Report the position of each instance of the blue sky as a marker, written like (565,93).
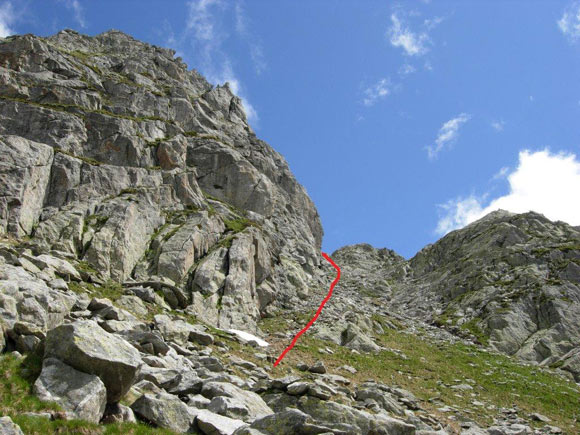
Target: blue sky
(403,120)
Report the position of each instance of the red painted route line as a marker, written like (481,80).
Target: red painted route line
(309,324)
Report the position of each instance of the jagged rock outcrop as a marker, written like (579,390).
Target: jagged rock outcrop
(511,281)
(117,155)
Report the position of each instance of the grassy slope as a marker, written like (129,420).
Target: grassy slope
(429,370)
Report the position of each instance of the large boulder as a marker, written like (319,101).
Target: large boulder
(87,347)
(373,391)
(232,401)
(213,424)
(81,394)
(164,410)
(210,275)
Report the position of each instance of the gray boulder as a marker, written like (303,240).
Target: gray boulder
(232,401)
(164,410)
(210,275)
(8,427)
(210,423)
(85,346)
(81,394)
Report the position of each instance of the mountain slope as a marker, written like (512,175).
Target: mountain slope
(508,281)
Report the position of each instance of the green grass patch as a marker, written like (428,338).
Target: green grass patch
(110,290)
(84,266)
(129,190)
(571,247)
(95,221)
(40,426)
(16,379)
(237,225)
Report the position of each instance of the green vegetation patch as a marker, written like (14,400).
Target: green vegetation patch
(473,327)
(110,290)
(17,376)
(238,224)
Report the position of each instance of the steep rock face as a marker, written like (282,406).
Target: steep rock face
(116,154)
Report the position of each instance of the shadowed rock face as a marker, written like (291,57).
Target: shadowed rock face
(116,154)
(512,280)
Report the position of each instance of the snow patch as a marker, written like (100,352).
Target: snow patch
(248,337)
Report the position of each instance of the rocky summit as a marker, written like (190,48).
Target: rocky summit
(156,257)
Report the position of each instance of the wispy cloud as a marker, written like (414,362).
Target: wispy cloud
(502,173)
(543,182)
(255,46)
(457,213)
(569,24)
(448,133)
(407,69)
(377,92)
(400,35)
(205,29)
(7,18)
(497,125)
(77,10)
(431,23)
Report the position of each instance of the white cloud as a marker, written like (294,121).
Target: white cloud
(378,91)
(204,28)
(569,24)
(543,182)
(448,133)
(407,69)
(414,44)
(498,125)
(77,9)
(6,19)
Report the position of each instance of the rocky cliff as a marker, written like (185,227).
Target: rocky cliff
(115,155)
